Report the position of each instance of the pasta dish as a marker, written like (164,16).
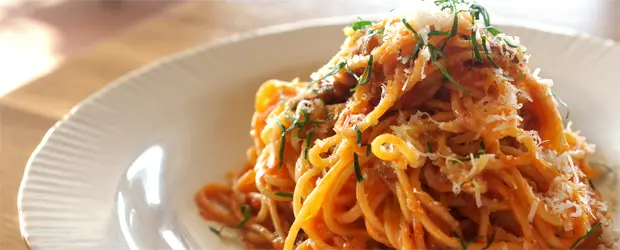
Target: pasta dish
(427,130)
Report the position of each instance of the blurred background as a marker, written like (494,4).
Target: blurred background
(37,35)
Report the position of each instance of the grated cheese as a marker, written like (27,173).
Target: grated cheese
(536,72)
(530,216)
(477,194)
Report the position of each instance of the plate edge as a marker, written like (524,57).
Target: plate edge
(237,37)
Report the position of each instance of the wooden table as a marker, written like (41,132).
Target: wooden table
(26,114)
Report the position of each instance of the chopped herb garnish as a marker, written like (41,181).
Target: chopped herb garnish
(368,150)
(370,34)
(429,145)
(486,52)
(245,209)
(476,155)
(359,135)
(215,231)
(283,194)
(408,26)
(418,47)
(455,27)
(360,24)
(478,10)
(438,33)
(561,102)
(346,66)
(521,75)
(356,166)
(465,244)
(474,45)
(490,241)
(583,237)
(494,31)
(282,142)
(591,184)
(366,74)
(331,73)
(308,138)
(444,72)
(302,124)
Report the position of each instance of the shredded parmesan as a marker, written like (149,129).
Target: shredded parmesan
(530,216)
(477,194)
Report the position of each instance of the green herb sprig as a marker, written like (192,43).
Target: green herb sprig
(363,80)
(359,135)
(465,244)
(334,71)
(418,45)
(490,241)
(583,237)
(296,124)
(308,139)
(563,104)
(370,34)
(435,51)
(284,194)
(361,24)
(356,166)
(476,155)
(247,213)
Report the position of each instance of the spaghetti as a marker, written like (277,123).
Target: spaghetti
(424,131)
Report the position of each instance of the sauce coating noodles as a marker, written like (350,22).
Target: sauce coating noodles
(420,133)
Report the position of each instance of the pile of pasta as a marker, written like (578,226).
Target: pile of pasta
(425,131)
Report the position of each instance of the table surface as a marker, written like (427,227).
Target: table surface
(27,113)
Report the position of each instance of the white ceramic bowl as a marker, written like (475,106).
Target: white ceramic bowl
(120,171)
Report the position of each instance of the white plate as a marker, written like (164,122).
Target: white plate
(120,171)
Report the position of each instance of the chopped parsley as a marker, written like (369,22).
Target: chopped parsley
(418,45)
(474,44)
(583,237)
(429,145)
(563,104)
(438,33)
(490,241)
(476,155)
(368,150)
(246,211)
(370,34)
(465,244)
(284,194)
(308,138)
(486,52)
(408,26)
(282,142)
(359,135)
(356,166)
(360,24)
(334,71)
(366,74)
(443,70)
(215,231)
